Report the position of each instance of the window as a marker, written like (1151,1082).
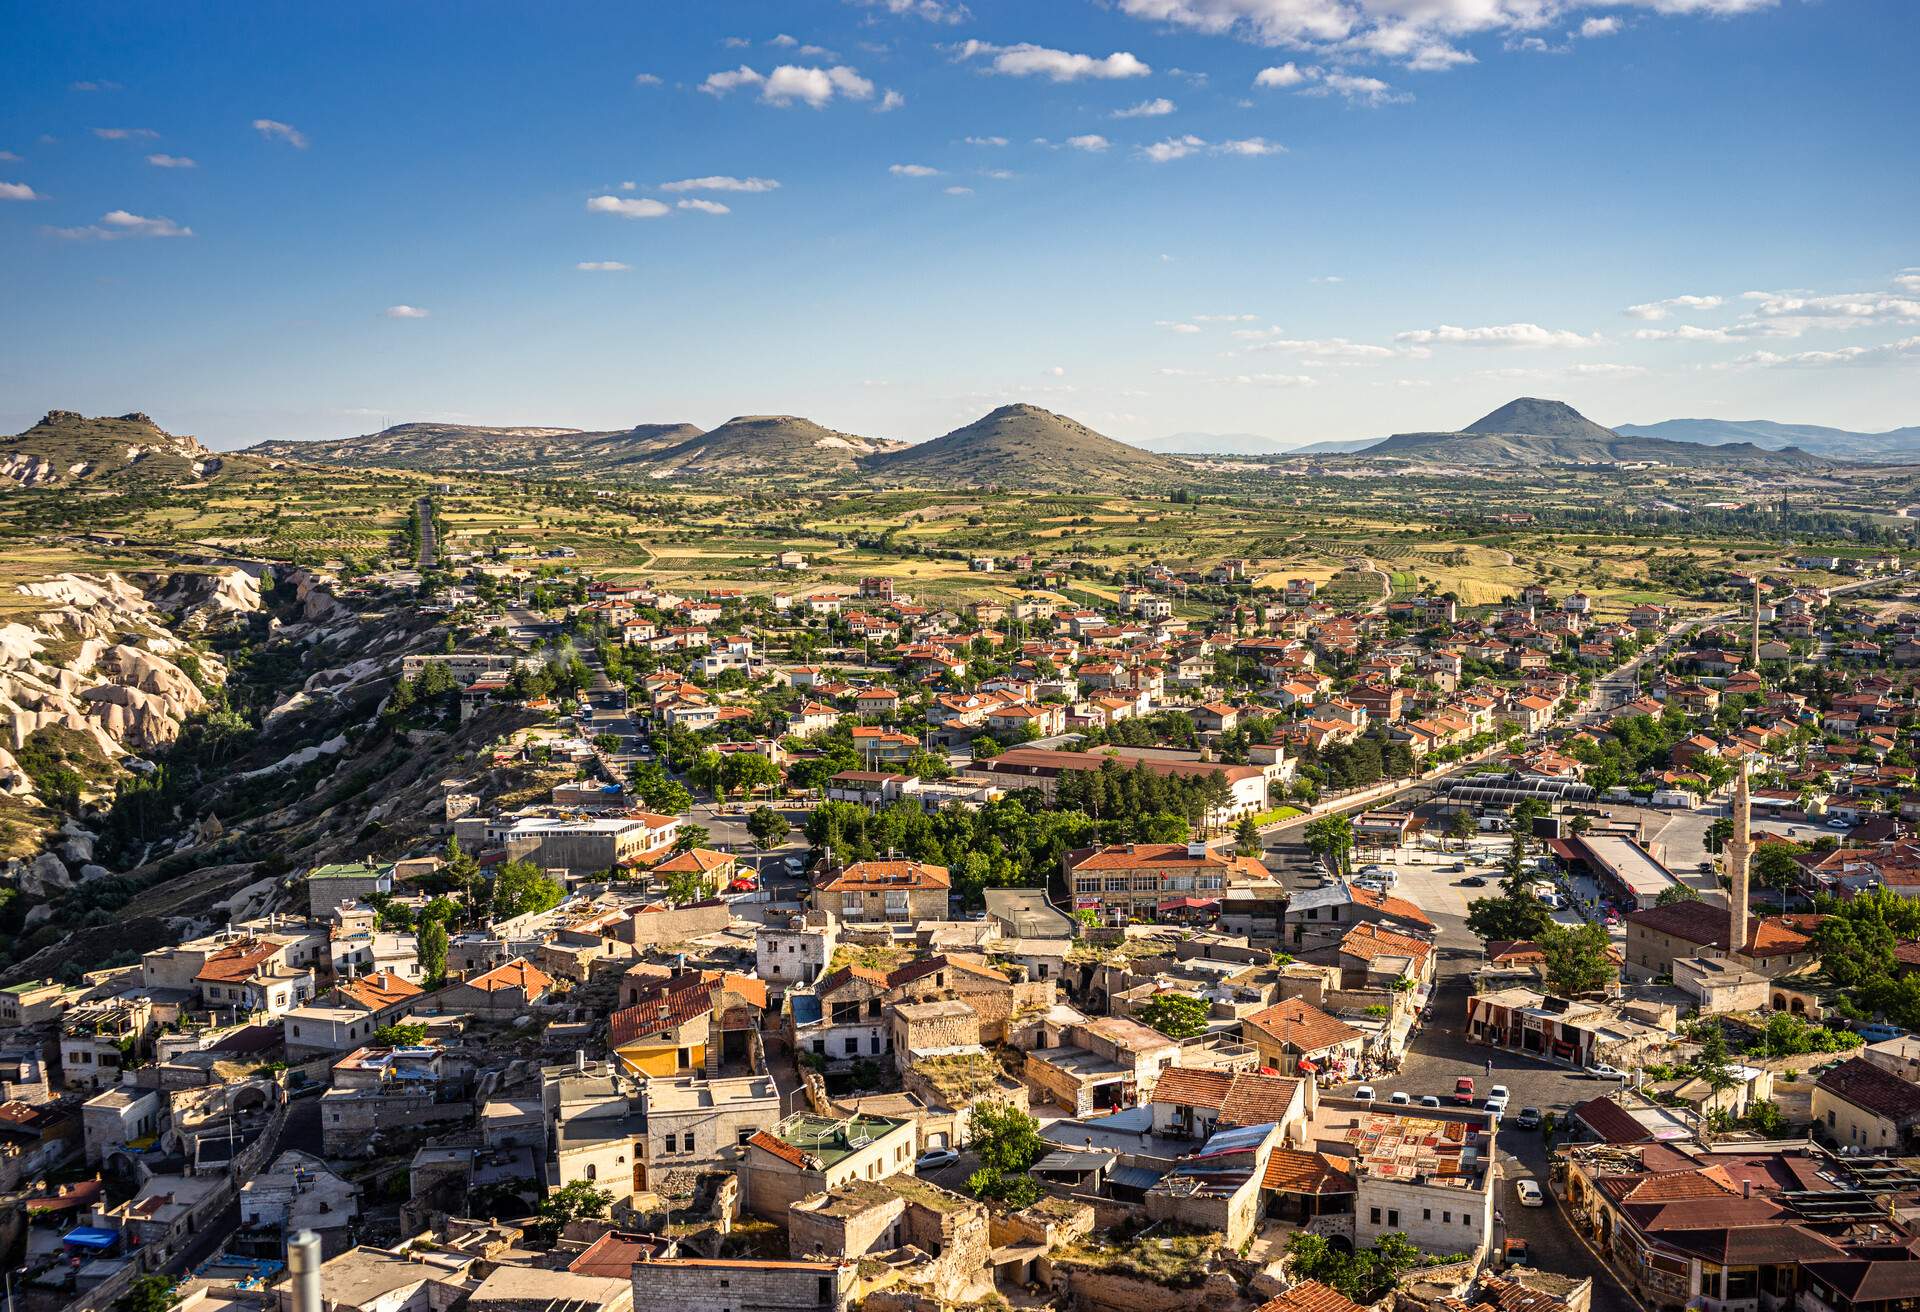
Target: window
(593,1172)
(1446,1218)
(1426,1214)
(741,1136)
(673,1143)
(1393,1218)
(1374,1218)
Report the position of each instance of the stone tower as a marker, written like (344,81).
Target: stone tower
(1739,854)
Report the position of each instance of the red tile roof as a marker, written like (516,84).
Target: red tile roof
(780,1148)
(1186,1087)
(862,876)
(665,1006)
(516,974)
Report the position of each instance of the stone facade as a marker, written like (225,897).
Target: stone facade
(686,1284)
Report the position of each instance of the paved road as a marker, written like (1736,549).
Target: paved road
(424,508)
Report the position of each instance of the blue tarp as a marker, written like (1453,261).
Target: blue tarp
(89,1236)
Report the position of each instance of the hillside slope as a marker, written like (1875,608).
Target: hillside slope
(765,446)
(478,448)
(65,448)
(1025,446)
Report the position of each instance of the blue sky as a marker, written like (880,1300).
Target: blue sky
(1300,218)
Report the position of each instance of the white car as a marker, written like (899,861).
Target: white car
(1606,1072)
(1501,1092)
(935,1158)
(1528,1191)
(1495,1107)
(1363,1094)
(1400,1099)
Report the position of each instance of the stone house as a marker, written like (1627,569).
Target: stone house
(694,1124)
(506,990)
(694,1284)
(1102,1065)
(808,1154)
(1859,1106)
(887,892)
(948,1233)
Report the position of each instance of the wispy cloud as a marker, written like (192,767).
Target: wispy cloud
(1154,108)
(1594,27)
(1904,351)
(1664,309)
(118,225)
(405,312)
(933,11)
(984,141)
(912,171)
(1177,326)
(646,80)
(602,266)
(627,207)
(18,191)
(889,102)
(126,134)
(92,85)
(1090,141)
(1172,148)
(721,182)
(1029,60)
(703,206)
(171,162)
(1515,335)
(275,130)
(959,191)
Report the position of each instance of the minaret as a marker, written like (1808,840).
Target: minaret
(1753,652)
(1739,854)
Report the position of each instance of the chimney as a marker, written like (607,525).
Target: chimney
(1746,1188)
(579,1061)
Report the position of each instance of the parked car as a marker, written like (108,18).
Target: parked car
(1878,1033)
(1463,1091)
(1495,1107)
(1529,1193)
(1606,1072)
(1528,1119)
(935,1158)
(1838,823)
(1363,1094)
(1400,1099)
(1501,1092)
(1429,1100)
(1457,868)
(1472,881)
(1517,1253)
(794,864)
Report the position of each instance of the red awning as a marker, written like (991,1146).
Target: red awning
(1561,848)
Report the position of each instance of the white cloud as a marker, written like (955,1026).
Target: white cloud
(405,312)
(1594,27)
(645,80)
(783,40)
(718,84)
(933,11)
(126,134)
(1175,326)
(1327,278)
(1522,335)
(1904,351)
(1330,348)
(1091,141)
(602,266)
(1605,370)
(998,175)
(18,191)
(1536,45)
(1172,148)
(1357,90)
(627,207)
(1843,310)
(171,162)
(116,225)
(1907,281)
(1420,34)
(1271,380)
(274,130)
(93,86)
(1029,60)
(793,84)
(959,191)
(1288,74)
(1224,318)
(703,206)
(984,141)
(1154,108)
(8,157)
(1055,372)
(1657,310)
(1685,332)
(912,171)
(889,102)
(719,182)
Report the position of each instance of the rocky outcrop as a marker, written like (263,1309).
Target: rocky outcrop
(101,661)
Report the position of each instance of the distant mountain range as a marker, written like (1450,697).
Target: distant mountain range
(1531,431)
(66,448)
(1216,444)
(1839,443)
